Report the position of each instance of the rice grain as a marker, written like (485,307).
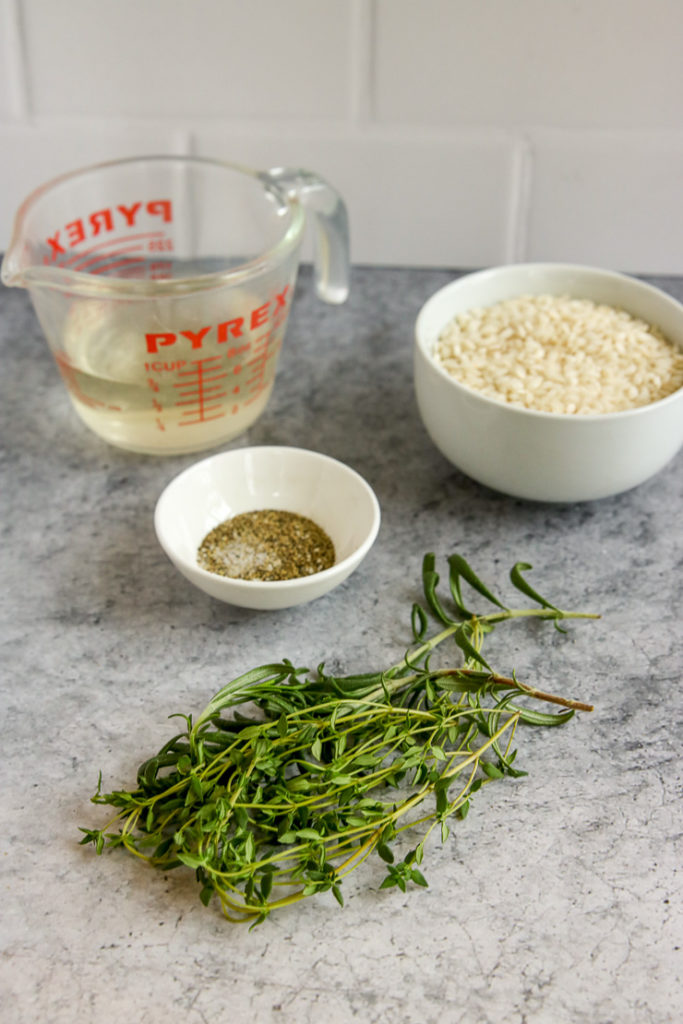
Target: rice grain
(560,354)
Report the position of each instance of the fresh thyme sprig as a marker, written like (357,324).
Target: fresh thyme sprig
(273,806)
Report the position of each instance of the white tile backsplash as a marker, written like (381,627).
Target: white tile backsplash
(562,63)
(175,59)
(413,198)
(13,85)
(608,198)
(460,132)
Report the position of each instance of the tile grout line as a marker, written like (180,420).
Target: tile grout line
(361,66)
(17,61)
(520,201)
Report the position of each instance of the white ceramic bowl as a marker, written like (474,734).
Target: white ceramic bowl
(292,479)
(537,455)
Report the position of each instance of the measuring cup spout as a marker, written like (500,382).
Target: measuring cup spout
(25,265)
(14,274)
(330,227)
(15,268)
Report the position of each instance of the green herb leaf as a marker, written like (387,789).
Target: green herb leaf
(266,884)
(462,640)
(308,833)
(459,568)
(430,581)
(190,860)
(419,622)
(304,776)
(525,587)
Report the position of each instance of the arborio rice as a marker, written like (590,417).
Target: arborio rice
(558,354)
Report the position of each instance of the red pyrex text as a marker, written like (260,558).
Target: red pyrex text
(228,328)
(110,219)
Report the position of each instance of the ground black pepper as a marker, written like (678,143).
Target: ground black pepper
(266,544)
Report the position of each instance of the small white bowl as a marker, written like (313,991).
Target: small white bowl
(292,479)
(537,455)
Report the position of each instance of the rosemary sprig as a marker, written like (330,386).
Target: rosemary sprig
(273,806)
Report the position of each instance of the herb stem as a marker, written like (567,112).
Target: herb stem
(329,769)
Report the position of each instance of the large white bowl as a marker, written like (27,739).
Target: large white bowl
(292,479)
(537,455)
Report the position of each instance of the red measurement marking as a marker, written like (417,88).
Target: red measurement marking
(259,350)
(260,356)
(200,392)
(109,255)
(263,352)
(160,270)
(129,268)
(233,352)
(256,381)
(110,243)
(70,378)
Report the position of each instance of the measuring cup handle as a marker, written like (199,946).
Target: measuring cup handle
(330,227)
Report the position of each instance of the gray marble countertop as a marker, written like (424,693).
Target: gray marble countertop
(558,899)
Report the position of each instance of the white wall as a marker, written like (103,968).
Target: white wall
(461,132)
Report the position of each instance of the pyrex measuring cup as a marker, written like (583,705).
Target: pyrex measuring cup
(163,286)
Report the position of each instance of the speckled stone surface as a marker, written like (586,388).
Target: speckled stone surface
(558,900)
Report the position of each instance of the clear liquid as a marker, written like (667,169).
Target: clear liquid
(180,398)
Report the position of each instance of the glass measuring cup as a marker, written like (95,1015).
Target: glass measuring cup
(163,286)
